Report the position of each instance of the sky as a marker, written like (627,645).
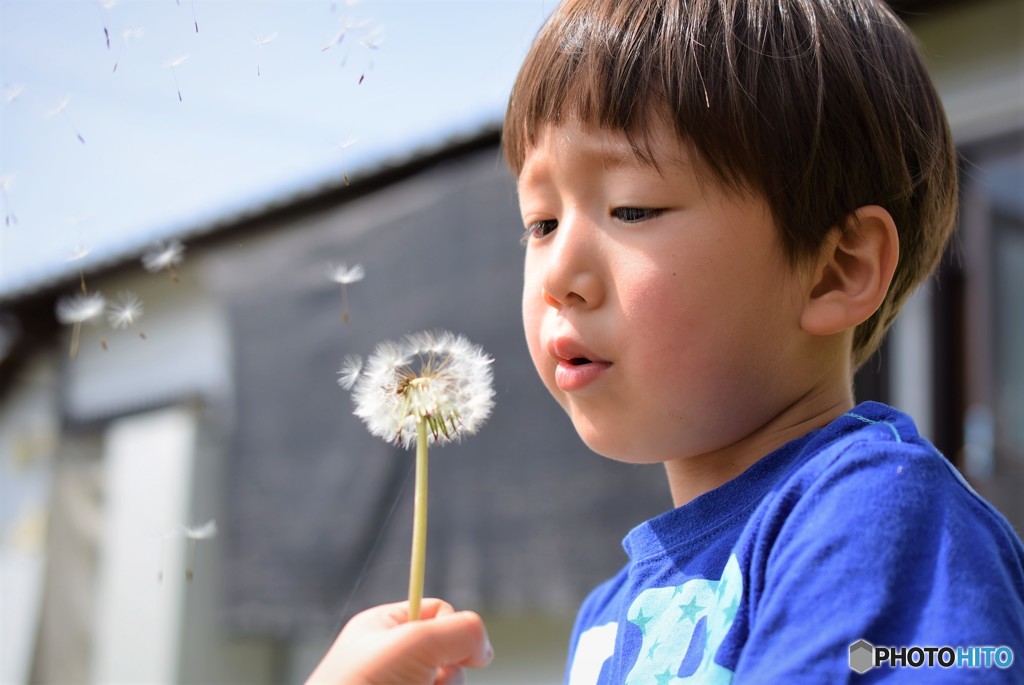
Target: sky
(199,109)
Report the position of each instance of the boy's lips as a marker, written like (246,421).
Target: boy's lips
(577,367)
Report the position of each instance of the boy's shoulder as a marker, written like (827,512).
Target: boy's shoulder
(872,473)
(874,456)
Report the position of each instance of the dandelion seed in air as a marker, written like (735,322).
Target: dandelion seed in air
(74,310)
(126,36)
(126,311)
(77,255)
(171,64)
(343,275)
(62,108)
(10,218)
(193,534)
(106,6)
(165,256)
(204,532)
(344,146)
(347,24)
(12,92)
(429,388)
(261,42)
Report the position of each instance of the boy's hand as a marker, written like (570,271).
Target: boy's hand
(380,646)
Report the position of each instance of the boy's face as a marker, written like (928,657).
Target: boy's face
(659,310)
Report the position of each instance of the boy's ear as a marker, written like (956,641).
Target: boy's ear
(853,272)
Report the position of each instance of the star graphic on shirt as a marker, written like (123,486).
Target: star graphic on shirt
(731,608)
(641,621)
(665,678)
(690,611)
(654,647)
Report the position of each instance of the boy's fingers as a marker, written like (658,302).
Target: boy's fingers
(451,675)
(431,607)
(456,638)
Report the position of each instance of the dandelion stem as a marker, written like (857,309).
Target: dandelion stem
(419,524)
(344,303)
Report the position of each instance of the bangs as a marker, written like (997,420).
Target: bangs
(624,66)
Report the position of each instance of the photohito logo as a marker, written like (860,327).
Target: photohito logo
(864,656)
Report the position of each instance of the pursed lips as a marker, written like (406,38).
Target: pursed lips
(577,367)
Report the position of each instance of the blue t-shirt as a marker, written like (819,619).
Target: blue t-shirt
(860,530)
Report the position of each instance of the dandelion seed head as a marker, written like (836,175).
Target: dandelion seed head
(347,143)
(6,181)
(80,308)
(344,274)
(164,256)
(132,34)
(440,378)
(109,4)
(126,311)
(177,61)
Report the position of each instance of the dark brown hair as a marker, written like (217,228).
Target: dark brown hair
(821,106)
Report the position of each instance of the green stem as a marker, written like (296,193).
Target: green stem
(419,524)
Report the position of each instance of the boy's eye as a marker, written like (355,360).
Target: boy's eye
(632,215)
(539,229)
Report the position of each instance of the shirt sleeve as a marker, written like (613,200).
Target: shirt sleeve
(885,543)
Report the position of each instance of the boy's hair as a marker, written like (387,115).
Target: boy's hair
(821,106)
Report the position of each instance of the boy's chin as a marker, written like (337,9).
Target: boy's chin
(615,444)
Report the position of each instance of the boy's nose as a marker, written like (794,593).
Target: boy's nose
(571,278)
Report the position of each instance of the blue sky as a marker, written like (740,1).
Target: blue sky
(271,103)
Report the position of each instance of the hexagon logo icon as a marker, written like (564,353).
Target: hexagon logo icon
(862,656)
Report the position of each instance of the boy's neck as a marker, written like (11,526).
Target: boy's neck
(690,477)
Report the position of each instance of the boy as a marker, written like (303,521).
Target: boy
(727,202)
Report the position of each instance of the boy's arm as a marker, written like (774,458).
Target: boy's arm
(380,646)
(892,548)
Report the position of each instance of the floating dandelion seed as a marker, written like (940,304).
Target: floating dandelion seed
(347,24)
(79,253)
(10,218)
(204,532)
(12,92)
(126,311)
(107,5)
(127,35)
(194,21)
(62,108)
(167,256)
(74,310)
(430,388)
(344,146)
(371,42)
(343,275)
(176,62)
(261,42)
